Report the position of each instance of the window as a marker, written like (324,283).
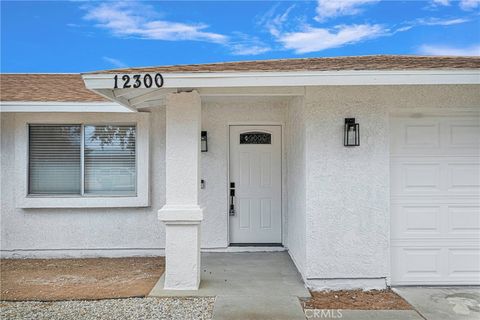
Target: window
(89,160)
(255,138)
(54,159)
(109,160)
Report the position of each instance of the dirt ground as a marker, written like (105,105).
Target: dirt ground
(72,279)
(357,300)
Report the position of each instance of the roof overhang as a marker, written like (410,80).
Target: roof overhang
(266,83)
(50,106)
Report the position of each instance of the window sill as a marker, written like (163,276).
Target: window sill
(35,202)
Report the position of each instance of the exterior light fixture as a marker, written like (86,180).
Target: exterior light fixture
(351,133)
(204,141)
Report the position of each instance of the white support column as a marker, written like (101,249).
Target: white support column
(182,214)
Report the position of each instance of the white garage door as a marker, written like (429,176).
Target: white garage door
(435,199)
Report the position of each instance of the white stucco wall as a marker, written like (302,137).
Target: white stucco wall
(347,206)
(82,232)
(130,231)
(296,182)
(217,114)
(336,217)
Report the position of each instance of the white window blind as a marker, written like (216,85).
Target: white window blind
(109,160)
(54,159)
(101,158)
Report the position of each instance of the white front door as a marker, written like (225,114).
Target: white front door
(256,175)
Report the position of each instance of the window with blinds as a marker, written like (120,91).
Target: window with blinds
(109,160)
(54,159)
(97,160)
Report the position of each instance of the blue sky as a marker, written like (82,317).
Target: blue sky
(78,36)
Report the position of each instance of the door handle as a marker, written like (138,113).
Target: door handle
(231,212)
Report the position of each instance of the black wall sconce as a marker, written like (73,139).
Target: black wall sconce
(204,141)
(351,133)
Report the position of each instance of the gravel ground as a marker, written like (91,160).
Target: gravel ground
(114,309)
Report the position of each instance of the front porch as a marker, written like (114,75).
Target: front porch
(197,208)
(243,274)
(248,285)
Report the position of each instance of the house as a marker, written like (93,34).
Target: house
(366,169)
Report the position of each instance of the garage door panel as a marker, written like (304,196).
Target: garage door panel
(410,176)
(435,200)
(421,177)
(442,176)
(464,134)
(416,221)
(421,135)
(414,134)
(463,177)
(435,265)
(464,263)
(464,220)
(414,264)
(435,136)
(448,221)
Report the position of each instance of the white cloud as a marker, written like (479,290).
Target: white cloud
(441,2)
(430,22)
(275,23)
(441,22)
(244,45)
(115,62)
(133,19)
(406,28)
(317,39)
(243,50)
(466,5)
(327,9)
(469,4)
(294,33)
(441,50)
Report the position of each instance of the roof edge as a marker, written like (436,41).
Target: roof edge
(120,70)
(105,81)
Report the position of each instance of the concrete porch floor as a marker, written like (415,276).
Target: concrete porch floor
(257,285)
(243,274)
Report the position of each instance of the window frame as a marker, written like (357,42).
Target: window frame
(82,160)
(140,198)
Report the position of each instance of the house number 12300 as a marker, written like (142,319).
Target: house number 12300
(136,81)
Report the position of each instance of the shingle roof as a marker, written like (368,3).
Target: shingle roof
(380,62)
(71,88)
(46,87)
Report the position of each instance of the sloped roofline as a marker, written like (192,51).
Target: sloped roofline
(345,63)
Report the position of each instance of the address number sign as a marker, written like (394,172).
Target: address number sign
(138,81)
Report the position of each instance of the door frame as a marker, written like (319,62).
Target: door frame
(282,168)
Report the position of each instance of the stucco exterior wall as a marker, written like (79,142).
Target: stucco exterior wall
(82,232)
(336,199)
(296,182)
(217,114)
(131,231)
(347,193)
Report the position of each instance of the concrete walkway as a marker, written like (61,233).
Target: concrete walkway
(373,315)
(260,285)
(267,285)
(437,303)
